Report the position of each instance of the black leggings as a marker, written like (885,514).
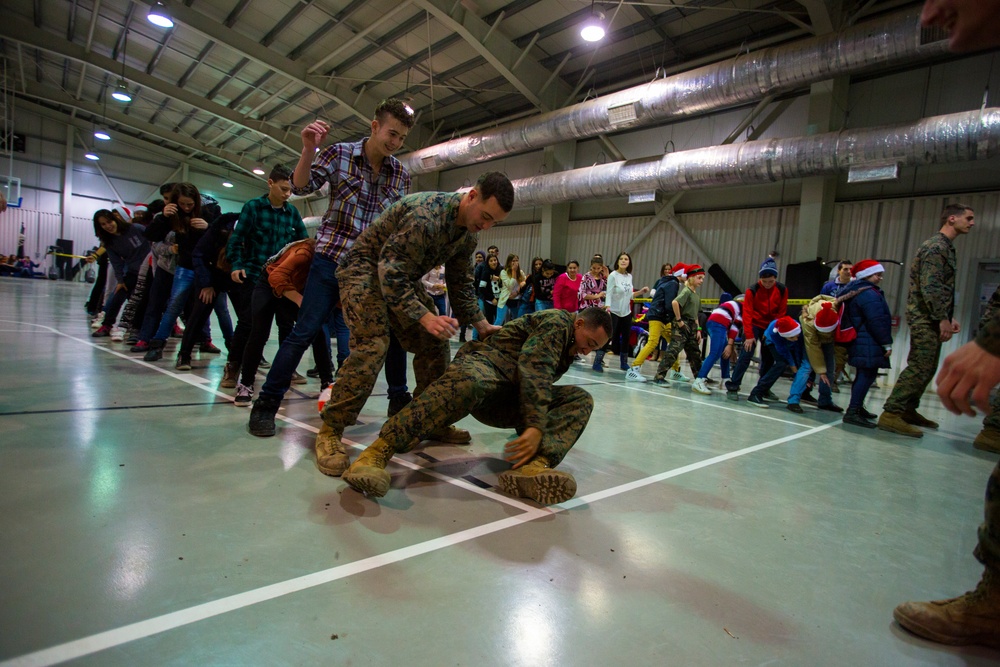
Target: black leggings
(621,331)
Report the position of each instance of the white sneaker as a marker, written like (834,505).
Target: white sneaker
(701,387)
(634,375)
(117,335)
(677,376)
(96,322)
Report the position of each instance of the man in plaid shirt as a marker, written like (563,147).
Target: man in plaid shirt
(364,179)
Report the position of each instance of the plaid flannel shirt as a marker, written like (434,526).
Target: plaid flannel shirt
(356,197)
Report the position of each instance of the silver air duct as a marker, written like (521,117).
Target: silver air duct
(895,40)
(972,135)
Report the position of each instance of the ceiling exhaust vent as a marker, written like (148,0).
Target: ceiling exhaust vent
(622,114)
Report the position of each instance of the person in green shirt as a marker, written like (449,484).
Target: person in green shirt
(686,333)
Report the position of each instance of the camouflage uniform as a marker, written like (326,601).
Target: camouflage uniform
(505,381)
(683,338)
(380,290)
(931,299)
(992,420)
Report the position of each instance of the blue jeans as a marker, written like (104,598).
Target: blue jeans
(773,373)
(718,336)
(482,309)
(337,327)
(542,305)
(501,318)
(864,378)
(526,307)
(743,363)
(319,296)
(440,303)
(802,377)
(179,293)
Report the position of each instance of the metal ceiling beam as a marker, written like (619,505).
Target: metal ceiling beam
(56,96)
(19,30)
(529,78)
(270,59)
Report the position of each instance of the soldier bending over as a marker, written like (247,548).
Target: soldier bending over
(505,381)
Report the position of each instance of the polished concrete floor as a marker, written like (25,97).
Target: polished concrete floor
(142,525)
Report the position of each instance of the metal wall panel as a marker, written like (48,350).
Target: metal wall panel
(40,231)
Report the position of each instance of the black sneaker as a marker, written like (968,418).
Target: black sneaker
(262,417)
(397,403)
(732,395)
(855,418)
(795,407)
(312,373)
(771,396)
(757,401)
(832,408)
(867,415)
(807,397)
(244,396)
(264,363)
(183,362)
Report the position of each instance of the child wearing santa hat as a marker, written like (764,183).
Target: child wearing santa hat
(659,316)
(819,320)
(782,338)
(868,312)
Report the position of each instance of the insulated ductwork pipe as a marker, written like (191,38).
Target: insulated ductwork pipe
(887,42)
(973,135)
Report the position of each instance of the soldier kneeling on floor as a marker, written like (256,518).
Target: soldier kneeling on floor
(505,381)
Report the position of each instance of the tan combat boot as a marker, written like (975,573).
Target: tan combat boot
(331,459)
(367,474)
(988,440)
(914,418)
(973,618)
(451,435)
(537,481)
(894,423)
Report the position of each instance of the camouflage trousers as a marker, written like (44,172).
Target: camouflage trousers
(681,338)
(921,364)
(992,420)
(472,385)
(988,549)
(370,320)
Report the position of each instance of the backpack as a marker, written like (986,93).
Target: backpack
(845,333)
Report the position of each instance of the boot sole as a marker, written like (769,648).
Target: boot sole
(369,480)
(992,640)
(918,434)
(545,488)
(860,424)
(983,447)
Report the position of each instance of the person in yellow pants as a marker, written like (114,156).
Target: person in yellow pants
(660,316)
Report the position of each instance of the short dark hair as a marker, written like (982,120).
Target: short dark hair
(841,263)
(547,265)
(166,187)
(280,172)
(492,247)
(573,261)
(495,184)
(953,209)
(596,317)
(397,109)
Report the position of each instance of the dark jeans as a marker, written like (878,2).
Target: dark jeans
(746,356)
(241,296)
(159,294)
(768,379)
(198,328)
(265,308)
(864,378)
(621,331)
(117,299)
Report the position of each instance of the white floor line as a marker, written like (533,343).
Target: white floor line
(659,392)
(201,383)
(123,635)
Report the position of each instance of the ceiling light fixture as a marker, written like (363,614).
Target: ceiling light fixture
(121,92)
(259,170)
(593,27)
(159,16)
(102,134)
(227,184)
(92,156)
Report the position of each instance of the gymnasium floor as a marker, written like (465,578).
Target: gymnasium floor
(142,525)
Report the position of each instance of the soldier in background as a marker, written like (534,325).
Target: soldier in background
(381,291)
(972,371)
(505,381)
(930,310)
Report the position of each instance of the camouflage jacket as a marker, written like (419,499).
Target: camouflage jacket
(414,235)
(531,352)
(989,326)
(932,280)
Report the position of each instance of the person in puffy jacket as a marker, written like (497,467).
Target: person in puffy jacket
(819,322)
(868,312)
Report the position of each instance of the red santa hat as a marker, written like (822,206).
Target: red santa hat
(680,271)
(694,270)
(140,207)
(866,268)
(123,212)
(826,319)
(786,327)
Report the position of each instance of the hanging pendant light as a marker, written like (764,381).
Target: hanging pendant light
(102,134)
(593,28)
(159,16)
